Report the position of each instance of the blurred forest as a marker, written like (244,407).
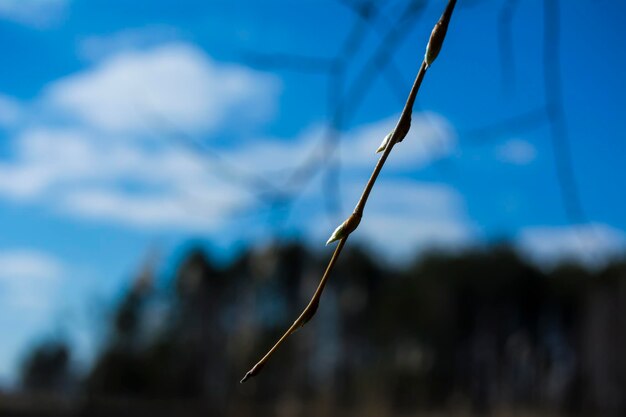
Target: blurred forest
(483,331)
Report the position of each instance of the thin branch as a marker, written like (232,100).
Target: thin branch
(304,317)
(345,229)
(393,75)
(263,189)
(523,122)
(559,132)
(289,61)
(505,41)
(399,133)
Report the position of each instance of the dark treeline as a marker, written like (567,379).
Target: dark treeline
(477,331)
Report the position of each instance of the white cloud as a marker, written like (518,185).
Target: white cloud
(88,172)
(517,152)
(37,13)
(44,158)
(10,111)
(133,91)
(84,149)
(86,175)
(273,156)
(97,165)
(591,245)
(153,211)
(27,278)
(28,264)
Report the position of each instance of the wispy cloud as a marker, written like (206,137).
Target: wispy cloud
(120,181)
(10,111)
(98,145)
(517,152)
(405,217)
(89,174)
(156,211)
(36,13)
(431,138)
(592,245)
(27,278)
(96,151)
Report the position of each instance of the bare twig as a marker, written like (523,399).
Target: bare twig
(345,229)
(289,61)
(523,122)
(505,40)
(263,189)
(559,132)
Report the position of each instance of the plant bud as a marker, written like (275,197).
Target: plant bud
(438,35)
(345,228)
(384,143)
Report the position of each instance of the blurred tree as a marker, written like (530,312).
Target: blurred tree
(480,328)
(47,367)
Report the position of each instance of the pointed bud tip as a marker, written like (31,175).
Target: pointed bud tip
(337,234)
(253,372)
(345,228)
(332,239)
(384,143)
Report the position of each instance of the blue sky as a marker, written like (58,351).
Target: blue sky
(103,105)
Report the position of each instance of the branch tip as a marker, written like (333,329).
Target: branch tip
(254,371)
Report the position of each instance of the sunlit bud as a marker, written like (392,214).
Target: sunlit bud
(438,35)
(345,228)
(384,143)
(404,125)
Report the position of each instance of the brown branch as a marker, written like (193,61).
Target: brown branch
(304,317)
(345,229)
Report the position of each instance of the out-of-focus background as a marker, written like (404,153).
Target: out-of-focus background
(170,171)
